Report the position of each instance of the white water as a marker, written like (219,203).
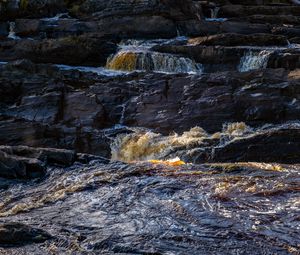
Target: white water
(167,63)
(97,70)
(59,16)
(215,12)
(12,33)
(137,55)
(253,60)
(143,60)
(214,15)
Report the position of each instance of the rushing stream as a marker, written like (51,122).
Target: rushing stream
(137,55)
(254,60)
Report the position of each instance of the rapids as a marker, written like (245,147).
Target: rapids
(144,145)
(254,60)
(137,55)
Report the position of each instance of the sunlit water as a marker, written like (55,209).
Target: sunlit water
(155,208)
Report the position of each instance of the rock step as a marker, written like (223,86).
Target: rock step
(231,11)
(185,100)
(23,162)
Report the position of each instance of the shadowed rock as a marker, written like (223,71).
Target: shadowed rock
(12,234)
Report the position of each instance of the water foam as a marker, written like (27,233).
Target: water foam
(152,61)
(146,145)
(253,60)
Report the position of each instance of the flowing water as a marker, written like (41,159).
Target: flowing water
(253,60)
(152,61)
(137,55)
(154,208)
(144,145)
(12,33)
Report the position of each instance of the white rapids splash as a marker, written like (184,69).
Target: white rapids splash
(12,33)
(253,60)
(137,55)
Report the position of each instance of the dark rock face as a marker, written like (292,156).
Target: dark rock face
(28,163)
(270,146)
(77,114)
(239,39)
(32,8)
(212,100)
(20,234)
(89,50)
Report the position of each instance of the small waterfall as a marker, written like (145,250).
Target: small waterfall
(12,33)
(152,61)
(122,118)
(253,60)
(215,12)
(140,146)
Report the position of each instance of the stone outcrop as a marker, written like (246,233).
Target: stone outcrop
(82,50)
(21,234)
(82,110)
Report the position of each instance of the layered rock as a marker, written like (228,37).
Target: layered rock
(46,106)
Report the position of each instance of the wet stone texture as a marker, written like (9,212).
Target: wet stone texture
(157,209)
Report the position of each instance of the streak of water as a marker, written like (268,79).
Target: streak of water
(12,33)
(254,60)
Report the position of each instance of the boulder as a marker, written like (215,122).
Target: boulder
(279,145)
(47,155)
(30,8)
(82,50)
(13,167)
(21,234)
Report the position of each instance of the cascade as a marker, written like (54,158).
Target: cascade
(148,145)
(152,61)
(144,145)
(214,12)
(253,60)
(12,33)
(57,17)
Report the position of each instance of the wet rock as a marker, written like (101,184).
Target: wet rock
(21,234)
(205,28)
(277,145)
(213,58)
(238,40)
(83,110)
(82,50)
(211,100)
(47,155)
(43,109)
(243,10)
(30,8)
(53,28)
(288,59)
(139,99)
(13,167)
(3,30)
(137,202)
